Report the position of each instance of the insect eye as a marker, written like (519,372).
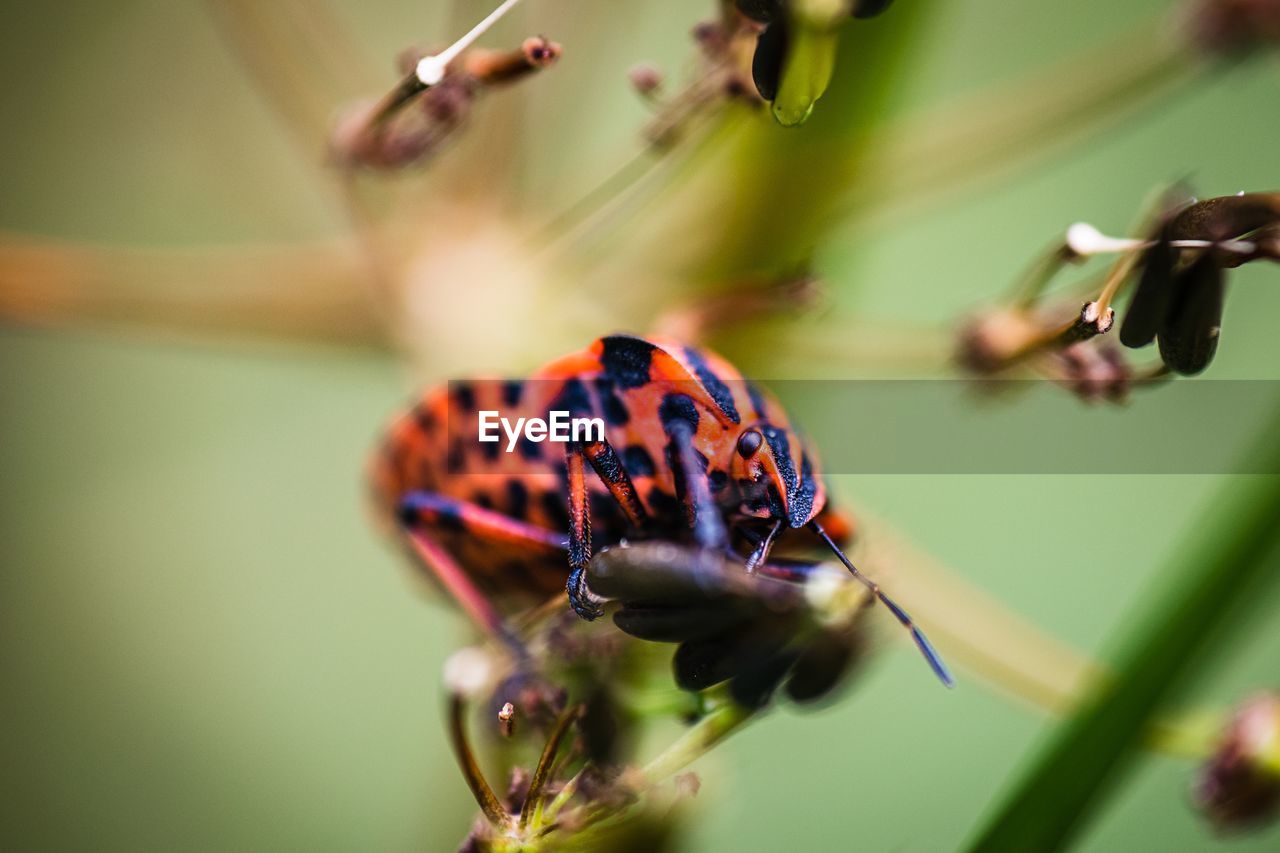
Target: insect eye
(749,442)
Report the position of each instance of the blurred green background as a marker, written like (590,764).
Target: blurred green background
(204,644)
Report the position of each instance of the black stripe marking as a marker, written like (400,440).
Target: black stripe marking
(611,405)
(677,408)
(637,461)
(715,386)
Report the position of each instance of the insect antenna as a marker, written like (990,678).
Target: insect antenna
(922,642)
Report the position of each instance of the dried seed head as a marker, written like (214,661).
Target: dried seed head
(1181,281)
(1188,338)
(1150,302)
(1225,218)
(507,719)
(1240,784)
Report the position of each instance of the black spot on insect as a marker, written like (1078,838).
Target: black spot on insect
(626,360)
(718,481)
(611,406)
(715,386)
(511,390)
(530,450)
(573,398)
(677,409)
(637,461)
(491,449)
(425,419)
(482,500)
(556,508)
(457,457)
(465,396)
(517,500)
(664,504)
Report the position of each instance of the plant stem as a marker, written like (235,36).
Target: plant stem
(708,732)
(1222,566)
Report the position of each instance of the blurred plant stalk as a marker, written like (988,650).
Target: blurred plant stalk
(1229,558)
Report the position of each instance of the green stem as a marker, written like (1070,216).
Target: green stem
(695,743)
(1230,554)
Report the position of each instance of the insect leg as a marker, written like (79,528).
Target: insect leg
(609,469)
(585,603)
(694,489)
(604,461)
(423,513)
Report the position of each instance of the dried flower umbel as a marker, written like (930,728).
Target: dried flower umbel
(434,98)
(737,637)
(1177,276)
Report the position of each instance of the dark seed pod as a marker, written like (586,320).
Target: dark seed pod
(1150,303)
(764,11)
(822,665)
(754,685)
(1189,336)
(1226,217)
(704,663)
(672,624)
(770,56)
(869,8)
(659,573)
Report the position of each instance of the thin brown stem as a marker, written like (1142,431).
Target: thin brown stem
(488,801)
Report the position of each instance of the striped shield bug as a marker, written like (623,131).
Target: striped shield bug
(688,451)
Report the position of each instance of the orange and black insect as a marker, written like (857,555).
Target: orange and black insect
(692,452)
